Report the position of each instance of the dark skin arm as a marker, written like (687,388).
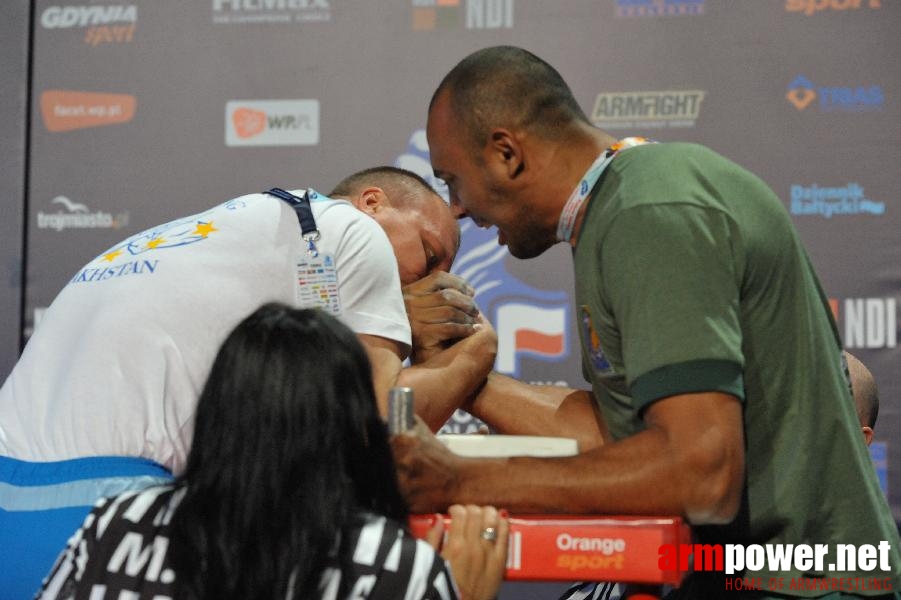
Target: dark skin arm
(689,461)
(515,408)
(441,311)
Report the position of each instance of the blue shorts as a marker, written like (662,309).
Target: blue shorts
(43,504)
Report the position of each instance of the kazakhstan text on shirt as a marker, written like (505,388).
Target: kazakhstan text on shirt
(135,267)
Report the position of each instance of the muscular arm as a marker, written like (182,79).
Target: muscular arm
(688,461)
(441,310)
(516,408)
(441,383)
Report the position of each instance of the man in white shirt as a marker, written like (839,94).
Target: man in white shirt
(102,399)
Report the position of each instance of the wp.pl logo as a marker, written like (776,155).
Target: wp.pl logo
(272,123)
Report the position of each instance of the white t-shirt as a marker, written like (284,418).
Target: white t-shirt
(120,357)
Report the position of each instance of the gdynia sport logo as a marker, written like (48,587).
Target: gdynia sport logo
(757,566)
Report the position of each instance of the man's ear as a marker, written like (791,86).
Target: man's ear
(371,200)
(867,434)
(507,151)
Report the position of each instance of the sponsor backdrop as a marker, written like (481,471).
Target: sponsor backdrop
(146,110)
(14,36)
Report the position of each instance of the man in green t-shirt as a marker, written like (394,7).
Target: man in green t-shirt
(710,347)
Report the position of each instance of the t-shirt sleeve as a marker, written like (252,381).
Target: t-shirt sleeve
(369,284)
(672,280)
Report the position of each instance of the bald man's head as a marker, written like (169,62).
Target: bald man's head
(865,393)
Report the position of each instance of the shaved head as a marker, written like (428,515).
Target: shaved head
(505,86)
(403,186)
(864,391)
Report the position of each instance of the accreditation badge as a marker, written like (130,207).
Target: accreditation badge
(317,283)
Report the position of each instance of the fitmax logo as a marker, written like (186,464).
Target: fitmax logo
(802,93)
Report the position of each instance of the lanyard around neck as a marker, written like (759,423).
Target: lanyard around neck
(573,205)
(301,206)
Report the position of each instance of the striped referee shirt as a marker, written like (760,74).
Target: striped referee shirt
(121,551)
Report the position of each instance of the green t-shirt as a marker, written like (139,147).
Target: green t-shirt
(690,277)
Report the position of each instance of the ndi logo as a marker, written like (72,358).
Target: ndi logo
(868,322)
(474,14)
(658,8)
(827,202)
(802,92)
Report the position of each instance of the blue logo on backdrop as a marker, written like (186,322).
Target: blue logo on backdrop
(658,8)
(828,202)
(529,321)
(860,98)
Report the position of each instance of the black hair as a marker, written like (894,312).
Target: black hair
(288,451)
(509,87)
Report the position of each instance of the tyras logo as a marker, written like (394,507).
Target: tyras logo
(802,92)
(529,321)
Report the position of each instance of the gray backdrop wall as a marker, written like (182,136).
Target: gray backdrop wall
(151,109)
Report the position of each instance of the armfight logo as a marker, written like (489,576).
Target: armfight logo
(859,98)
(231,12)
(452,14)
(74,215)
(272,123)
(103,24)
(659,8)
(647,110)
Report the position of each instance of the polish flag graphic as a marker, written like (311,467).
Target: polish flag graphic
(528,329)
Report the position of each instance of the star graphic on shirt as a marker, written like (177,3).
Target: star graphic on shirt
(111,256)
(204,229)
(155,242)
